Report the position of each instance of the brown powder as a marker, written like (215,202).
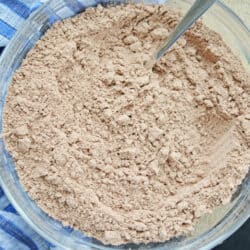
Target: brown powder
(120,152)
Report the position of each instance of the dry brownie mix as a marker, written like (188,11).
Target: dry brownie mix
(121,152)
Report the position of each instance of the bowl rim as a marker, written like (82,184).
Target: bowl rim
(242,218)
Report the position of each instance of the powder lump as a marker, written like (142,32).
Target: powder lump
(120,152)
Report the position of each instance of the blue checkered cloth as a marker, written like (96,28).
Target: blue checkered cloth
(15,234)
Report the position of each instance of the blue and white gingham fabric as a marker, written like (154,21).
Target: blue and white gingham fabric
(15,234)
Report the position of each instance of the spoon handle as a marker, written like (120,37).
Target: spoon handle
(196,10)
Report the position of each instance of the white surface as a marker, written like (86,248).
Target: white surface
(241,8)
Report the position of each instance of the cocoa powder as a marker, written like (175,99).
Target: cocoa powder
(123,153)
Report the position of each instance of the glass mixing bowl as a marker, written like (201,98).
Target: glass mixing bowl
(212,229)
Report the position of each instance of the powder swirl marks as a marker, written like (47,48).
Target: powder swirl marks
(120,152)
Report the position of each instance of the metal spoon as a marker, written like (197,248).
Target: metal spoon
(195,12)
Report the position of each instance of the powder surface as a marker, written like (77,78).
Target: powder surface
(124,153)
